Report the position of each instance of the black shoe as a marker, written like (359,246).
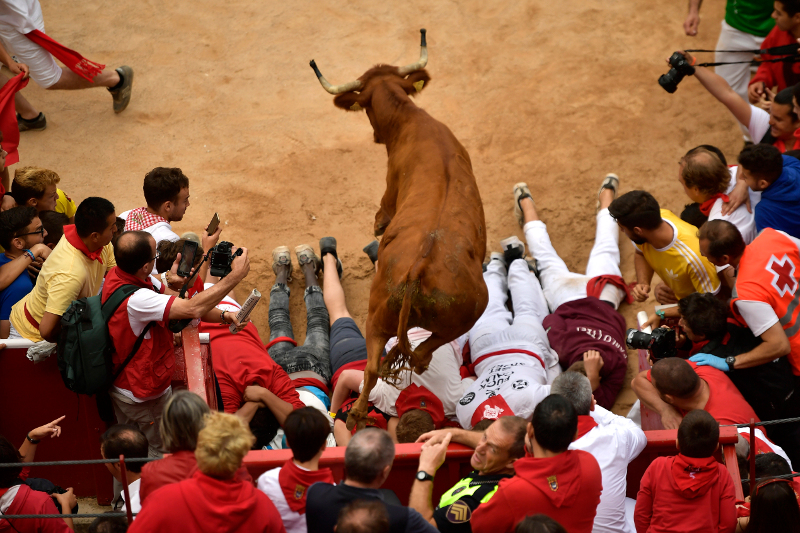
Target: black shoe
(37,124)
(122,94)
(372,251)
(327,245)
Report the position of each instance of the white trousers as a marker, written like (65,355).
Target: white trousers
(497,329)
(44,69)
(737,76)
(562,286)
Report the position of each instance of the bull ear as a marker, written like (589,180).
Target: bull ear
(350,101)
(418,80)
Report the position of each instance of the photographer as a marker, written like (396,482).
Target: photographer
(143,387)
(776,127)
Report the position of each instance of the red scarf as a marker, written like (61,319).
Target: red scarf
(706,206)
(692,474)
(294,482)
(72,60)
(72,237)
(8,119)
(585,424)
(595,286)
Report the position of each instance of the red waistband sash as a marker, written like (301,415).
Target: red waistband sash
(78,64)
(29,316)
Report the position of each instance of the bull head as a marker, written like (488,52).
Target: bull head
(358,84)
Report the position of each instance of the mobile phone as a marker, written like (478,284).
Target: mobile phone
(187,258)
(212,226)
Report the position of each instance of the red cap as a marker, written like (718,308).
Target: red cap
(416,397)
(491,409)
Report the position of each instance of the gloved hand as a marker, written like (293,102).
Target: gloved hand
(706,359)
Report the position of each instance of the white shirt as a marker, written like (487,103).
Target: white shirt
(759,123)
(743,219)
(22,15)
(268,484)
(615,442)
(759,316)
(133,491)
(745,432)
(145,306)
(442,378)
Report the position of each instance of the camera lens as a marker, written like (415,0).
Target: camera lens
(638,339)
(670,80)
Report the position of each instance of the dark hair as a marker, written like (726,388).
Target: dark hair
(691,213)
(675,377)
(53,223)
(92,216)
(774,508)
(133,251)
(516,428)
(763,161)
(306,431)
(554,423)
(120,224)
(363,516)
(771,464)
(705,314)
(367,454)
(636,209)
(539,523)
(264,426)
(723,238)
(784,97)
(127,440)
(704,170)
(163,185)
(412,424)
(483,424)
(9,454)
(792,7)
(168,251)
(13,222)
(108,524)
(792,153)
(698,434)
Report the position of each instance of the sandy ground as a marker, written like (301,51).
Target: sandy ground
(555,94)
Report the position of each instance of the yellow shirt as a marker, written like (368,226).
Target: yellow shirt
(65,205)
(66,275)
(680,264)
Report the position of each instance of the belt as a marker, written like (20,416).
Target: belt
(513,350)
(29,316)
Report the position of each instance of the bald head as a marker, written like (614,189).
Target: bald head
(133,250)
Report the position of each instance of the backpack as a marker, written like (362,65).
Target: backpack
(85,347)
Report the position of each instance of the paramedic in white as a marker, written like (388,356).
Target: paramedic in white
(511,355)
(613,440)
(143,386)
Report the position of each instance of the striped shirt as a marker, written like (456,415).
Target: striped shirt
(680,264)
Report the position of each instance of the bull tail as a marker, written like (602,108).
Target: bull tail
(401,356)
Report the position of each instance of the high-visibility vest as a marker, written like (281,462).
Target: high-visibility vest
(481,488)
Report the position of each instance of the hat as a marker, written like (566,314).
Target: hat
(416,397)
(491,409)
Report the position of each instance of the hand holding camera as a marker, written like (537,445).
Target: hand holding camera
(682,65)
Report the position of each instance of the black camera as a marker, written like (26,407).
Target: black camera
(661,343)
(221,259)
(680,69)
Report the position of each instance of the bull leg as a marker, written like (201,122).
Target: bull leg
(387,211)
(382,220)
(424,352)
(375,343)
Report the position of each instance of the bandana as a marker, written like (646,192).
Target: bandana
(140,219)
(585,424)
(294,482)
(8,119)
(706,206)
(416,397)
(72,237)
(78,64)
(595,286)
(693,474)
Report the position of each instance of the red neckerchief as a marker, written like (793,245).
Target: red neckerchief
(781,145)
(72,237)
(294,482)
(691,473)
(8,119)
(140,219)
(595,286)
(585,424)
(706,206)
(78,64)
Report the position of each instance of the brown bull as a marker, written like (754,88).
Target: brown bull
(431,218)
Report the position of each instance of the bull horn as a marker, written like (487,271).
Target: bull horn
(423,58)
(334,89)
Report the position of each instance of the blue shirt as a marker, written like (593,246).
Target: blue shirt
(779,207)
(14,292)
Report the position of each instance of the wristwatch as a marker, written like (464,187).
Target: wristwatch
(424,476)
(731,360)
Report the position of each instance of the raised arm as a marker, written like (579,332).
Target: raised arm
(719,89)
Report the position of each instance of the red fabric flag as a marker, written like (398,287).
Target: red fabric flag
(78,64)
(8,118)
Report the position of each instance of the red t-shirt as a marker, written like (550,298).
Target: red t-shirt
(725,403)
(241,360)
(28,501)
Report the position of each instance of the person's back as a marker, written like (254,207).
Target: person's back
(560,483)
(690,492)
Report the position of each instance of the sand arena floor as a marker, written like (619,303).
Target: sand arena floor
(555,94)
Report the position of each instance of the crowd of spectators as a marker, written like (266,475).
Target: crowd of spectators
(530,387)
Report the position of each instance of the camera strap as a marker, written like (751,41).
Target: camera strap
(790,51)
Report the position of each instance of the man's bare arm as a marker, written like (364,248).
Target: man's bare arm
(650,397)
(774,344)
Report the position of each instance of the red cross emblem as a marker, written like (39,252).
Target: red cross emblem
(783,275)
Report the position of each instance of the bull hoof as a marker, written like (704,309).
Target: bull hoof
(356,419)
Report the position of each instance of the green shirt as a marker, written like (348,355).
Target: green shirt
(750,16)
